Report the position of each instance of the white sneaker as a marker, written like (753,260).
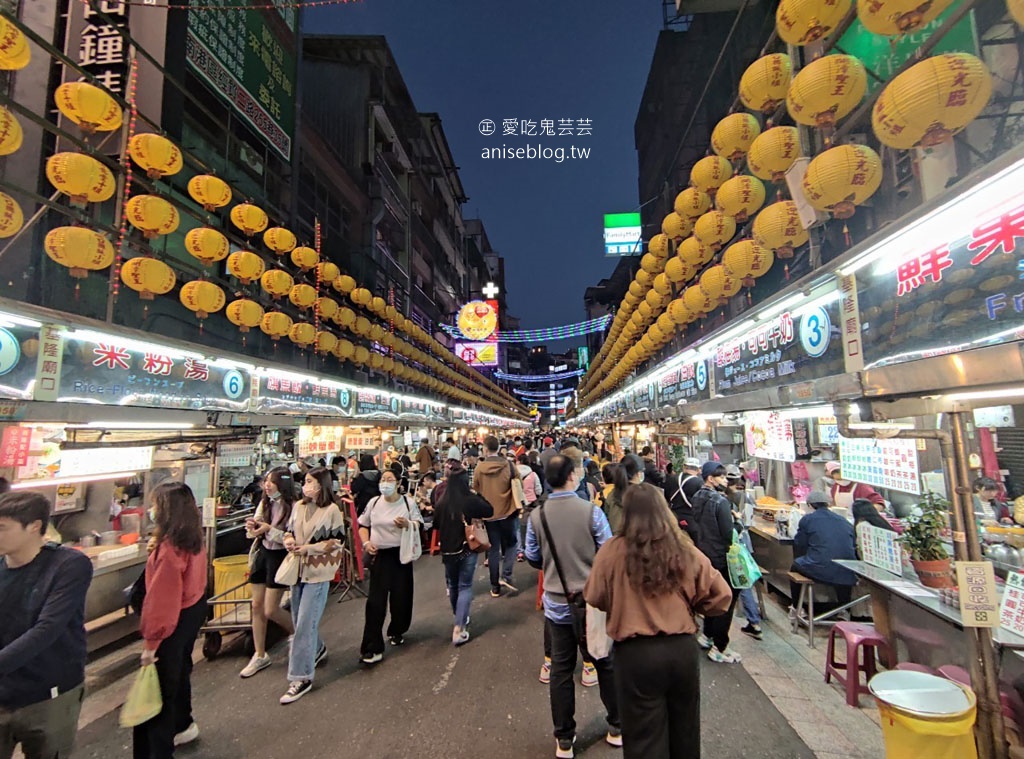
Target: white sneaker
(724,657)
(296,690)
(589,678)
(460,637)
(703,641)
(187,735)
(372,658)
(564,748)
(256,663)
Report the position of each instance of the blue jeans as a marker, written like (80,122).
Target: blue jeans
(504,537)
(748,597)
(308,602)
(458,576)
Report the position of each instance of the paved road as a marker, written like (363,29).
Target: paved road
(429,699)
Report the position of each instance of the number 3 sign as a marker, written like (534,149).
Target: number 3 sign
(815,332)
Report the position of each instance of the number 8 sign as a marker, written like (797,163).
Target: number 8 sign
(815,332)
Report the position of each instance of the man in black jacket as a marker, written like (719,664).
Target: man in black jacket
(712,512)
(652,474)
(42,632)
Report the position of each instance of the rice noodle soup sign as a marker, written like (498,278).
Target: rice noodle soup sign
(769,436)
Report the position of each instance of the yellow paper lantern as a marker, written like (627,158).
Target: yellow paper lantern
(654,299)
(842,178)
(377,305)
(11,135)
(152,215)
(658,245)
(303,296)
(15,52)
(249,218)
(1016,8)
(327,308)
(778,228)
(280,240)
(81,177)
(691,203)
(325,342)
(346,317)
(732,136)
(773,153)
(361,296)
(826,90)
(676,227)
(209,191)
(305,258)
(244,314)
(710,173)
(719,285)
(156,154)
(208,245)
(666,325)
(800,22)
(763,85)
(740,197)
(327,272)
(651,263)
(662,285)
(714,229)
(276,325)
(362,356)
(892,18)
(644,279)
(276,282)
(678,270)
(202,297)
(148,277)
(931,101)
(344,350)
(344,284)
(79,249)
(747,260)
(695,253)
(362,327)
(376,333)
(89,106)
(376,361)
(697,301)
(246,266)
(643,314)
(302,333)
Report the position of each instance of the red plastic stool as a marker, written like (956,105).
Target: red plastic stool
(907,666)
(540,590)
(435,542)
(857,637)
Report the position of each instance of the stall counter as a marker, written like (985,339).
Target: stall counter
(774,554)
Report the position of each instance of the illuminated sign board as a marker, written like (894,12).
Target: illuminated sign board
(478,320)
(478,354)
(623,234)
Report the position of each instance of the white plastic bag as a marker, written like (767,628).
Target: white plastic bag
(599,645)
(411,548)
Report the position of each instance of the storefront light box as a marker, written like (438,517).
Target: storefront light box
(623,234)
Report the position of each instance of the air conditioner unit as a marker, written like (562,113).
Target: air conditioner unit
(809,217)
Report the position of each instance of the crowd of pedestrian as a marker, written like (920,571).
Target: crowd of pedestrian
(643,544)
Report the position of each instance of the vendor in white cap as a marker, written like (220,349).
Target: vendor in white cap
(691,467)
(844,492)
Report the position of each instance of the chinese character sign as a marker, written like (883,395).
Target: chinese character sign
(888,464)
(979,600)
(95,42)
(320,440)
(1011,612)
(769,436)
(879,548)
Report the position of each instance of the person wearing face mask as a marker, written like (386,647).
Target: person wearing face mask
(316,533)
(391,583)
(266,529)
(844,492)
(712,513)
(743,514)
(630,471)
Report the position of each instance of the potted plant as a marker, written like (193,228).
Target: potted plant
(922,537)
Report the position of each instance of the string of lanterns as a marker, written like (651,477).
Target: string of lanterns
(924,106)
(84,179)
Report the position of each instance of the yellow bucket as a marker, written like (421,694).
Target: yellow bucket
(911,735)
(230,572)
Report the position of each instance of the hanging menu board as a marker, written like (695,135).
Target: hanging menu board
(684,384)
(888,464)
(879,548)
(317,439)
(769,436)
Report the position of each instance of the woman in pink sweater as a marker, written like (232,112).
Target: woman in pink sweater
(172,613)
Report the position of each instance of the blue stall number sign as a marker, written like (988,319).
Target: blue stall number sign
(233,384)
(815,332)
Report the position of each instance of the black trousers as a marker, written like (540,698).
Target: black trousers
(717,628)
(657,680)
(390,587)
(155,739)
(564,645)
(844,593)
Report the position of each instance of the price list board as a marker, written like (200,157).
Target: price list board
(879,548)
(888,464)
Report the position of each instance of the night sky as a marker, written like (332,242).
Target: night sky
(470,60)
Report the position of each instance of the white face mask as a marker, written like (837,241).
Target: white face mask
(275,495)
(842,482)
(388,488)
(152,513)
(310,491)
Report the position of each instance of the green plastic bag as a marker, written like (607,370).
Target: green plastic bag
(144,700)
(743,570)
